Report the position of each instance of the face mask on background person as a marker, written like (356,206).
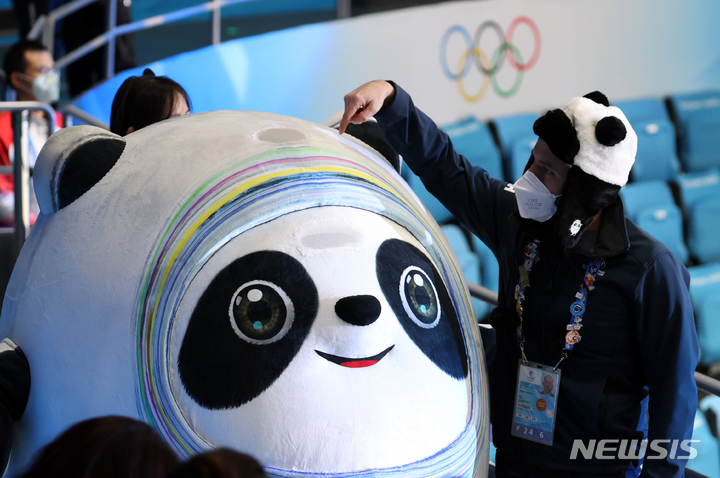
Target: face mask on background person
(534,200)
(46,87)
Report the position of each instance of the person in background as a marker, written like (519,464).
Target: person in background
(143,100)
(31,76)
(105,447)
(220,463)
(572,266)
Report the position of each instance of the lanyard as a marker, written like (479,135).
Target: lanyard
(531,254)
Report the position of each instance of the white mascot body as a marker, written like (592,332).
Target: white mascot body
(253,281)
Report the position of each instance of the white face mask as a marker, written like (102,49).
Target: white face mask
(46,87)
(534,200)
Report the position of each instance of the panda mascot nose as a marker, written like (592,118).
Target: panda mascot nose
(358,309)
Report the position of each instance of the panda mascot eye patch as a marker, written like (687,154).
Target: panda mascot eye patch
(418,297)
(246,329)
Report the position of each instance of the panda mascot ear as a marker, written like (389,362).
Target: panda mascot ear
(371,134)
(601,164)
(72,161)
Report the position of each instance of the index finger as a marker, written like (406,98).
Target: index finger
(352,107)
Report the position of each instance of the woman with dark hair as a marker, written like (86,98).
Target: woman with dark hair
(143,100)
(220,463)
(105,447)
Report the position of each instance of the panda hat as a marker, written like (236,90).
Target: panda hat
(598,141)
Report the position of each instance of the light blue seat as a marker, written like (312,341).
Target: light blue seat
(439,212)
(642,109)
(519,156)
(707,460)
(469,262)
(704,287)
(701,198)
(710,406)
(657,151)
(489,267)
(657,146)
(651,206)
(698,118)
(511,130)
(472,138)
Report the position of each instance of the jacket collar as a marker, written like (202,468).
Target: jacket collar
(612,238)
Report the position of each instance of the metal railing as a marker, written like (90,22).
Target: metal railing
(20,168)
(71,111)
(45,26)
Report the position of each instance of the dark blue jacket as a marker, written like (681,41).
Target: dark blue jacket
(638,335)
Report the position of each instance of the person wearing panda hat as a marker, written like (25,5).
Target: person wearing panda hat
(595,337)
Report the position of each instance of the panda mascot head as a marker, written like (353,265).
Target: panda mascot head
(253,281)
(598,141)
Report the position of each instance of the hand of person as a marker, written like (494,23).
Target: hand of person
(363,103)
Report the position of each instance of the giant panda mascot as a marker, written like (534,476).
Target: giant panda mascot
(244,280)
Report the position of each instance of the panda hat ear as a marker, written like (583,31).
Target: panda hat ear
(557,130)
(72,161)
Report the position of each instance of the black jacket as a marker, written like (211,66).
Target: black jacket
(638,335)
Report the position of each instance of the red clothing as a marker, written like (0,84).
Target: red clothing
(7,185)
(6,139)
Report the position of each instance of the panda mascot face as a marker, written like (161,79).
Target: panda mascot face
(252,281)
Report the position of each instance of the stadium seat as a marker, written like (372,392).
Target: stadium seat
(704,284)
(710,406)
(512,130)
(469,263)
(701,198)
(472,138)
(651,206)
(519,156)
(433,205)
(707,460)
(489,267)
(643,109)
(698,120)
(657,147)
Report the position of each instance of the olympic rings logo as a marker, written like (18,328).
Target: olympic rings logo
(473,55)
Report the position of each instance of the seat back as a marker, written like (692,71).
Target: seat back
(704,286)
(472,138)
(707,460)
(701,198)
(439,212)
(489,267)
(469,262)
(698,120)
(519,156)
(512,130)
(657,146)
(651,206)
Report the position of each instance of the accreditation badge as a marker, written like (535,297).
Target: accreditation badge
(536,402)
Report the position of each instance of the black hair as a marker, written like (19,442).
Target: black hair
(143,100)
(220,463)
(105,447)
(15,57)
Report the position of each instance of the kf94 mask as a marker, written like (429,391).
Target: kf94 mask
(534,200)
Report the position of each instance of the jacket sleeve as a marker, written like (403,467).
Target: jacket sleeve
(669,348)
(480,203)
